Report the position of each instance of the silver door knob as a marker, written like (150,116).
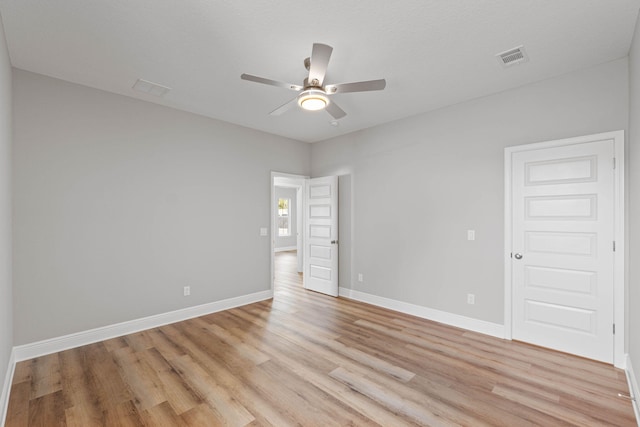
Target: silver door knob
(518,256)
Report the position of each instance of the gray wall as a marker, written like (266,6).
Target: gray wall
(6,299)
(120,203)
(634,204)
(420,183)
(286,193)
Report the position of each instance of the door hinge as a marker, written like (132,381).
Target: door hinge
(614,246)
(511,255)
(614,329)
(614,162)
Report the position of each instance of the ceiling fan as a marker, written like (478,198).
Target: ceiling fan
(314,94)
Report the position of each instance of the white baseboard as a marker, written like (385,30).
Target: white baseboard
(633,388)
(6,388)
(53,345)
(286,249)
(481,326)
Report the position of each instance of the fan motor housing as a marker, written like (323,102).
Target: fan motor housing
(311,85)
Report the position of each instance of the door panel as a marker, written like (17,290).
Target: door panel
(560,280)
(563,232)
(560,243)
(562,318)
(321,235)
(560,207)
(561,171)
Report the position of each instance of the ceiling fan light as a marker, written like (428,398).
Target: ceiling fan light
(313,100)
(313,103)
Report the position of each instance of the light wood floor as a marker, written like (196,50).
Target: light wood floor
(311,360)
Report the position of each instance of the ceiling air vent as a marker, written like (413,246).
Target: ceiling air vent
(514,56)
(151,88)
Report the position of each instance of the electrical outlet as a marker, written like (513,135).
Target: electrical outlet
(360,277)
(187,291)
(471,299)
(471,234)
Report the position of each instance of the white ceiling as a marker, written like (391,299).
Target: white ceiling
(433,53)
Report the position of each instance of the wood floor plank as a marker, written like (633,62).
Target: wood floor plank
(427,413)
(115,343)
(161,415)
(166,347)
(367,359)
(45,376)
(175,389)
(547,407)
(79,416)
(18,409)
(606,415)
(124,414)
(47,410)
(201,415)
(313,405)
(308,359)
(242,348)
(83,408)
(140,377)
(245,393)
(346,394)
(139,341)
(220,399)
(23,371)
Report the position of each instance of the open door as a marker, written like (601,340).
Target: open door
(321,235)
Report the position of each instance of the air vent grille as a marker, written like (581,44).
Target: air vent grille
(514,56)
(145,86)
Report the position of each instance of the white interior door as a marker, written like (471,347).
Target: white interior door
(563,248)
(321,235)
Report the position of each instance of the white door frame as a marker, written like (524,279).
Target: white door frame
(619,230)
(272,215)
(299,228)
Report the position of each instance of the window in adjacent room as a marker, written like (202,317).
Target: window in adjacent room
(284,221)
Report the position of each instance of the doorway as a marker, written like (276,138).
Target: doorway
(315,215)
(287,222)
(564,238)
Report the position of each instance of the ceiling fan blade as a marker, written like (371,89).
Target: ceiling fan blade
(284,107)
(320,56)
(270,82)
(335,111)
(356,86)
